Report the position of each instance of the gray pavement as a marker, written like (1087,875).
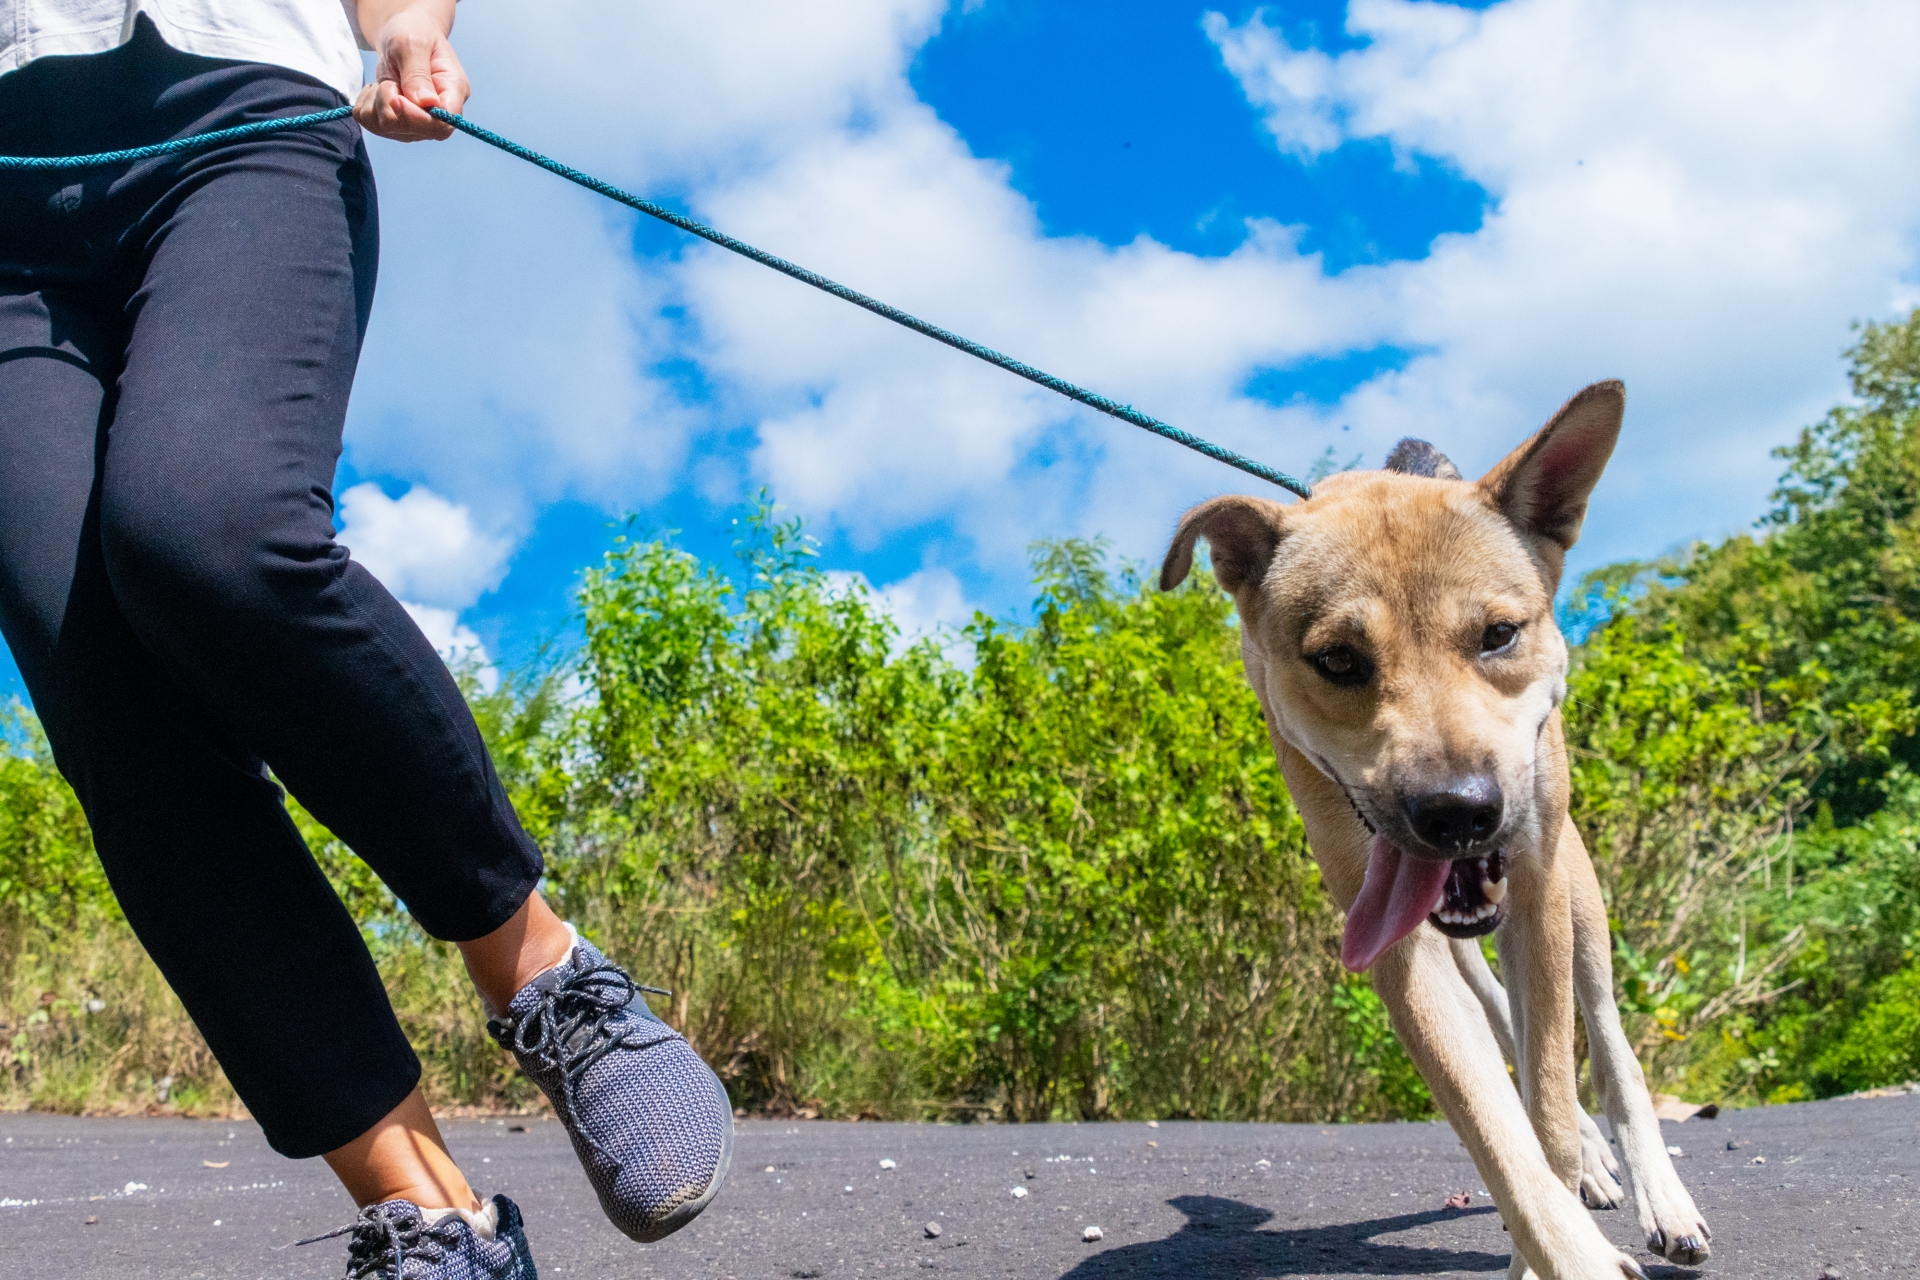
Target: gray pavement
(195,1200)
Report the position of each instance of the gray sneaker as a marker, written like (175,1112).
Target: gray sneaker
(394,1241)
(649,1120)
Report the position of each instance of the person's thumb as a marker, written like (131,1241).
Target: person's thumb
(415,74)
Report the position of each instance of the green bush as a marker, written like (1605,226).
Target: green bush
(1047,868)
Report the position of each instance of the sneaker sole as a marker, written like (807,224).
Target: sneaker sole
(687,1212)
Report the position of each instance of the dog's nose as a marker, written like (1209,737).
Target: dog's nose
(1463,813)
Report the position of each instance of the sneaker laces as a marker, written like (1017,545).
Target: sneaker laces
(567,1032)
(383,1240)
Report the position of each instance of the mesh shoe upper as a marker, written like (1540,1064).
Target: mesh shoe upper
(649,1120)
(393,1241)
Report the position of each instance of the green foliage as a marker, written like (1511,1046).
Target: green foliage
(1743,730)
(1046,867)
(48,876)
(1066,881)
(1822,606)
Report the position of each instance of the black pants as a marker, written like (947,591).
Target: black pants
(177,341)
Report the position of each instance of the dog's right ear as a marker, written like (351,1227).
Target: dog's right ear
(1243,533)
(1542,486)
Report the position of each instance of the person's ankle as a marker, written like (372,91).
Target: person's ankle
(533,941)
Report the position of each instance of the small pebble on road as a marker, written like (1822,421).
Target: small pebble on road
(933,1231)
(1459,1200)
(888,1164)
(1019,1193)
(1091,1234)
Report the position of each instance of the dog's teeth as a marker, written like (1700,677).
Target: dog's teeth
(1495,890)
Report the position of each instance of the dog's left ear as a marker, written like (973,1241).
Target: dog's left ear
(1243,532)
(1542,486)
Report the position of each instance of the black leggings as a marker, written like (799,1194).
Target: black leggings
(177,341)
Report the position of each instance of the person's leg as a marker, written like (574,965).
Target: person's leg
(403,1157)
(503,962)
(257,273)
(209,527)
(211,873)
(256,278)
(199,849)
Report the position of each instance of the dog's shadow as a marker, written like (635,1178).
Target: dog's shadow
(1222,1241)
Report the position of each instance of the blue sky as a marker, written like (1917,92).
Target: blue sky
(1055,90)
(1290,228)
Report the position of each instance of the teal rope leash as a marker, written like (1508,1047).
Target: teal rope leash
(198,142)
(1126,413)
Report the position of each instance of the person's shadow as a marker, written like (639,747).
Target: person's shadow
(1220,1242)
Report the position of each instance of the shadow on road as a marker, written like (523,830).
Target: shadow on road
(1221,1241)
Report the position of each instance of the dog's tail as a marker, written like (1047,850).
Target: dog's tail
(1418,458)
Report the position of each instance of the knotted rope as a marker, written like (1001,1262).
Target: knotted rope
(1126,413)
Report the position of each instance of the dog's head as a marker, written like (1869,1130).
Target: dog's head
(1398,627)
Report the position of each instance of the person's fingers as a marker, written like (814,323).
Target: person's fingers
(364,106)
(450,78)
(385,111)
(416,70)
(453,90)
(418,87)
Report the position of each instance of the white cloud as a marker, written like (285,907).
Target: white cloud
(421,546)
(1696,196)
(927,602)
(512,359)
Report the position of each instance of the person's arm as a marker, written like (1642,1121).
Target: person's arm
(415,68)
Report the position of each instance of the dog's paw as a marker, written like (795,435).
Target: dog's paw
(1675,1230)
(1599,1171)
(1688,1248)
(1598,1190)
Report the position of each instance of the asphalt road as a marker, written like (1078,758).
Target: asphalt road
(195,1200)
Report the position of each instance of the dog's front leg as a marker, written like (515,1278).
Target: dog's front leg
(1673,1225)
(1599,1171)
(1438,1021)
(1536,955)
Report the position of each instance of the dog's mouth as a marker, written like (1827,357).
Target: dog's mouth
(1474,899)
(1464,898)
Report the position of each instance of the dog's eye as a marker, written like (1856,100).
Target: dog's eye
(1343,666)
(1499,637)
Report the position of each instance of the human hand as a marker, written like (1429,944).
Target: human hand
(416,68)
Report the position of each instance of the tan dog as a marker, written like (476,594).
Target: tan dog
(1398,629)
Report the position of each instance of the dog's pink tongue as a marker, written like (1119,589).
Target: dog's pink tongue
(1398,893)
